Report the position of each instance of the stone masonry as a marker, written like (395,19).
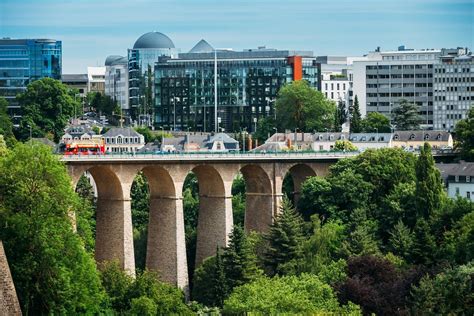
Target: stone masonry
(9,304)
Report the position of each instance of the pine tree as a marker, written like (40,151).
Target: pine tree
(406,117)
(429,186)
(284,241)
(340,116)
(239,260)
(424,245)
(355,120)
(401,239)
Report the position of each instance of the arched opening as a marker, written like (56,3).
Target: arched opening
(259,200)
(85,219)
(293,180)
(191,211)
(140,202)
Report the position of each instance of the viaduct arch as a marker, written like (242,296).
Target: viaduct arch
(166,248)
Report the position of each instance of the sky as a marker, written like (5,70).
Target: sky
(90,30)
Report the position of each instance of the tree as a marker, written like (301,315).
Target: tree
(47,106)
(424,246)
(340,116)
(210,286)
(239,260)
(53,273)
(465,136)
(429,186)
(315,197)
(265,128)
(355,117)
(376,122)
(344,145)
(284,238)
(102,104)
(450,292)
(300,106)
(401,240)
(406,117)
(305,294)
(377,286)
(6,125)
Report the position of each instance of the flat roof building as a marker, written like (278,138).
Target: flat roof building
(24,60)
(247,85)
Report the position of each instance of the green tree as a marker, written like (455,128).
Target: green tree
(305,294)
(284,238)
(300,106)
(464,132)
(53,273)
(401,240)
(210,284)
(47,106)
(340,115)
(449,293)
(239,260)
(315,197)
(376,122)
(429,186)
(355,117)
(406,117)
(6,125)
(265,128)
(424,245)
(344,145)
(102,104)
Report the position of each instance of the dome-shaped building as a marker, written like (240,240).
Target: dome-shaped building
(153,40)
(146,51)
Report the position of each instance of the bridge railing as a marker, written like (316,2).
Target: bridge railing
(212,155)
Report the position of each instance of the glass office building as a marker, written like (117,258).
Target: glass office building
(146,51)
(247,85)
(23,61)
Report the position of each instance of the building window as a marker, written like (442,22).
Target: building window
(457,191)
(468,195)
(468,178)
(456,178)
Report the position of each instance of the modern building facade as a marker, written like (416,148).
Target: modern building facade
(116,81)
(96,79)
(387,77)
(146,51)
(25,60)
(76,81)
(453,88)
(335,83)
(247,84)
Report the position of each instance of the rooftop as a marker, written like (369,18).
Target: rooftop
(153,40)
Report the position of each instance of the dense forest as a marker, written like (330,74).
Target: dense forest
(377,235)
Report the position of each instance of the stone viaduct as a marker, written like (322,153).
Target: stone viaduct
(166,249)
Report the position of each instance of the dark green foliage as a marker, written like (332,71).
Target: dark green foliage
(265,128)
(429,186)
(300,106)
(340,116)
(128,295)
(6,125)
(450,292)
(424,245)
(210,286)
(285,239)
(406,117)
(355,117)
(52,271)
(103,104)
(140,195)
(140,236)
(239,260)
(376,122)
(465,136)
(315,197)
(47,106)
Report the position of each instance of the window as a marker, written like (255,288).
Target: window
(468,178)
(456,178)
(457,191)
(468,195)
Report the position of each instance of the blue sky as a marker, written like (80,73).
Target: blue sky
(91,30)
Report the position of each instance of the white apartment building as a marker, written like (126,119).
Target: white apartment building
(96,79)
(386,77)
(116,80)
